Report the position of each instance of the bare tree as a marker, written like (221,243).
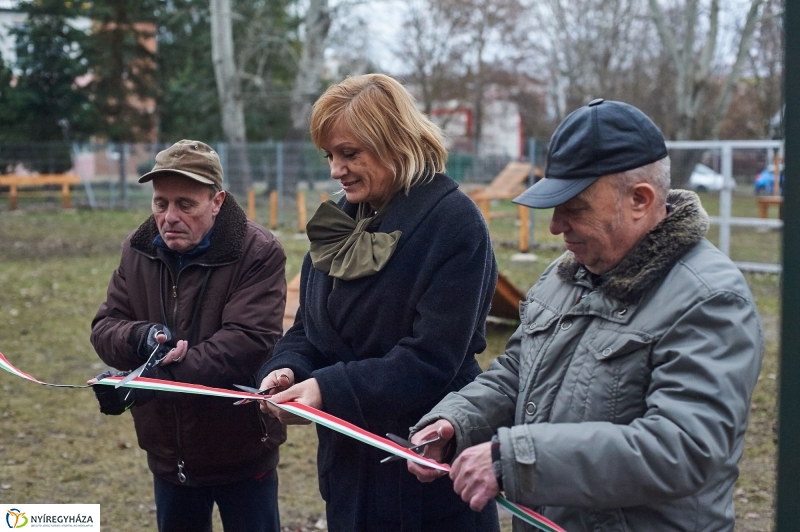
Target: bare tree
(425,47)
(594,49)
(692,56)
(226,71)
(482,33)
(309,82)
(230,92)
(765,68)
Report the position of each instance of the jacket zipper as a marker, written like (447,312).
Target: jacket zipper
(175,299)
(263,423)
(181,465)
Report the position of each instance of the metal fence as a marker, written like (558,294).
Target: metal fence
(109,174)
(110,171)
(740,163)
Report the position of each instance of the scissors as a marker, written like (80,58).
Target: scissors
(408,445)
(252,390)
(152,361)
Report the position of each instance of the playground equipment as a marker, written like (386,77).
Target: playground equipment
(764,202)
(509,183)
(15,182)
(505,301)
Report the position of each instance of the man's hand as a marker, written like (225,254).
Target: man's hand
(176,354)
(159,336)
(114,401)
(434,451)
(473,476)
(306,392)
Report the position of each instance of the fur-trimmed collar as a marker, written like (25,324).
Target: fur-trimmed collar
(654,255)
(226,240)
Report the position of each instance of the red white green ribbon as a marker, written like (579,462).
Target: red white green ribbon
(311,414)
(6,365)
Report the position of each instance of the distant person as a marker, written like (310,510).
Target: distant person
(621,400)
(209,286)
(394,295)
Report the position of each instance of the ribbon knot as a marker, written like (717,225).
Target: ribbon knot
(344,248)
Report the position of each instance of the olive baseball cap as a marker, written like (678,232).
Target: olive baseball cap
(601,138)
(191,158)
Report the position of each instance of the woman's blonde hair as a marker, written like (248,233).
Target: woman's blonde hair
(381,113)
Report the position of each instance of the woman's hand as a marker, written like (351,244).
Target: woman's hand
(280,380)
(306,392)
(434,451)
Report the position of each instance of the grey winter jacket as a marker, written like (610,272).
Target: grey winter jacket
(621,402)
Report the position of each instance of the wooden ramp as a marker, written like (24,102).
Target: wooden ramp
(292,302)
(505,302)
(509,183)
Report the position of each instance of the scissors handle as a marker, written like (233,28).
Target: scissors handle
(253,390)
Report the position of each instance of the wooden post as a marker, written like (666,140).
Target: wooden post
(12,197)
(483,205)
(523,228)
(776,175)
(301,211)
(251,204)
(273,209)
(65,199)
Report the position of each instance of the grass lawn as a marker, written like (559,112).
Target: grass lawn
(55,446)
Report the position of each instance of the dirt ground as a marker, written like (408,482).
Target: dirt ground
(56,447)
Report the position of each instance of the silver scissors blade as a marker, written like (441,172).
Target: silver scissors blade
(405,443)
(151,361)
(252,390)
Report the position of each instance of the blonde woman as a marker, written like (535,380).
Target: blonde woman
(394,296)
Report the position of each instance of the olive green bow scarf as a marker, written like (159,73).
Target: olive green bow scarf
(344,248)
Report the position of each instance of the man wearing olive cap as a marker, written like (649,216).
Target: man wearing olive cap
(203,289)
(621,400)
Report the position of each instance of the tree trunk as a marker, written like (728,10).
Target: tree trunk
(693,78)
(230,95)
(308,84)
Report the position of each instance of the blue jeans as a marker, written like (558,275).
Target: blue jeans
(247,506)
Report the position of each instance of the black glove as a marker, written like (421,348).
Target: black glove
(114,401)
(145,340)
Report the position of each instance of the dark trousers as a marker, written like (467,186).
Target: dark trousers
(247,506)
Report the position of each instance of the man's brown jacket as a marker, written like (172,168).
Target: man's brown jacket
(228,303)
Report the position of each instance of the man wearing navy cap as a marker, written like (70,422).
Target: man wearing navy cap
(621,400)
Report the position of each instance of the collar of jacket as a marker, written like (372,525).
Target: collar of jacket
(406,211)
(226,241)
(653,256)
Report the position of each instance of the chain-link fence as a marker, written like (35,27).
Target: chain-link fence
(736,179)
(109,171)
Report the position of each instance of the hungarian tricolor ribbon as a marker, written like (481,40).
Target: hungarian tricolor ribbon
(306,412)
(6,365)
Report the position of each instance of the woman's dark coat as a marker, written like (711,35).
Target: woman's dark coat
(387,347)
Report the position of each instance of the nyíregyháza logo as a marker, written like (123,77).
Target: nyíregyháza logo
(16,518)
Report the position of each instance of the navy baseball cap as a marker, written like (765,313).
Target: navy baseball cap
(599,139)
